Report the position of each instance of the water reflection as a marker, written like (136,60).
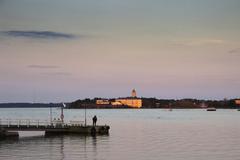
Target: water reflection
(141,135)
(53,147)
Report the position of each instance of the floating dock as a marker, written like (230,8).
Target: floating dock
(10,128)
(5,134)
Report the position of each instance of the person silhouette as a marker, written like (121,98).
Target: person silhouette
(94,120)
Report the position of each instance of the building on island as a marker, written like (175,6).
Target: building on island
(133,101)
(237,101)
(116,103)
(102,101)
(134,93)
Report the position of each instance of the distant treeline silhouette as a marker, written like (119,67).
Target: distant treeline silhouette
(160,103)
(187,103)
(147,103)
(29,105)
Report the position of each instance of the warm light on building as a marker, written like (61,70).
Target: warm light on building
(102,101)
(237,101)
(131,102)
(116,103)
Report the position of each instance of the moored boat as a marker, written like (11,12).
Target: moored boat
(211,109)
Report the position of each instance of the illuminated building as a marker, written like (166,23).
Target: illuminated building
(102,101)
(132,101)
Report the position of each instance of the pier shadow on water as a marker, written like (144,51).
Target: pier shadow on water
(53,147)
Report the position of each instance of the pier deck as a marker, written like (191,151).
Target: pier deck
(55,127)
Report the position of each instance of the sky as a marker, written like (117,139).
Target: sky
(61,51)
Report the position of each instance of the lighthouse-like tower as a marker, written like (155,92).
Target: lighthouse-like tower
(134,93)
(132,101)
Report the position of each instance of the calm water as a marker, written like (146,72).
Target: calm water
(147,134)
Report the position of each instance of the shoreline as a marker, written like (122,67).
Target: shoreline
(143,108)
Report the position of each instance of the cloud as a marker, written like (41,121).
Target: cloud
(234,51)
(43,66)
(38,34)
(57,74)
(199,42)
(212,42)
(53,68)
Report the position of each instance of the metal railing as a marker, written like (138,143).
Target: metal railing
(37,123)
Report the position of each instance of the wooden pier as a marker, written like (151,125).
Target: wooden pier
(10,127)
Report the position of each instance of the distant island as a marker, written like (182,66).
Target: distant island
(159,103)
(146,103)
(133,102)
(136,102)
(29,105)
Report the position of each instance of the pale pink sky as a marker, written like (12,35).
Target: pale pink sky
(162,49)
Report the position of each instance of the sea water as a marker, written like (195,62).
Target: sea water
(140,134)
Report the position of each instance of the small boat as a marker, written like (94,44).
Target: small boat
(211,109)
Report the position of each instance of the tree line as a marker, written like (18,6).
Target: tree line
(160,103)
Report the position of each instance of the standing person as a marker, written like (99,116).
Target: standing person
(94,120)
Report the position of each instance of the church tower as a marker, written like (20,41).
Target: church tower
(134,93)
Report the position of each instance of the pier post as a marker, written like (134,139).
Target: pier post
(28,123)
(37,123)
(9,122)
(85,114)
(51,116)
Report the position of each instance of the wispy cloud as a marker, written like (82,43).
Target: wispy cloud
(38,34)
(57,74)
(199,42)
(51,70)
(234,51)
(42,66)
